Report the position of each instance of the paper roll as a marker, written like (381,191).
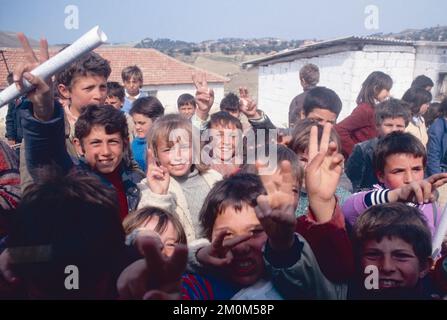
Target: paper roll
(440,233)
(89,41)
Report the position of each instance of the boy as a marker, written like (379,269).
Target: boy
(133,82)
(115,97)
(186,105)
(322,105)
(399,161)
(391,115)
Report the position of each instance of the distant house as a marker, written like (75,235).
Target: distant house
(164,77)
(344,64)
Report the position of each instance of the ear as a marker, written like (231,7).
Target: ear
(302,116)
(64,91)
(425,267)
(78,146)
(380,177)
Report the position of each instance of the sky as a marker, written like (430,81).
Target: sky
(198,20)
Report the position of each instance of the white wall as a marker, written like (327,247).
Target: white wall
(168,94)
(431,61)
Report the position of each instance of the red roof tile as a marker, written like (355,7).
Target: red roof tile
(157,68)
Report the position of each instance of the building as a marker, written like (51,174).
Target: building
(344,64)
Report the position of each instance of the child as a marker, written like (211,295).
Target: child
(133,82)
(418,100)
(423,82)
(115,97)
(437,142)
(144,112)
(360,125)
(186,105)
(176,180)
(399,161)
(322,105)
(391,115)
(165,225)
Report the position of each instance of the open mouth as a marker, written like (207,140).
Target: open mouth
(388,283)
(244,267)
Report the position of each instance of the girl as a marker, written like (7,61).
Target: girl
(360,125)
(174,181)
(418,100)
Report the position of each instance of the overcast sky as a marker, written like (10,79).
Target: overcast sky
(197,20)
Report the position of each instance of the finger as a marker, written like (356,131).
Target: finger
(217,243)
(18,74)
(36,81)
(29,53)
(418,193)
(195,80)
(436,177)
(150,248)
(286,172)
(241,92)
(426,189)
(177,263)
(324,144)
(220,262)
(151,157)
(230,243)
(439,183)
(43,54)
(313,143)
(157,295)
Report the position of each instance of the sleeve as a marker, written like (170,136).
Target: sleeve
(263,122)
(354,168)
(345,129)
(434,147)
(10,122)
(10,192)
(149,198)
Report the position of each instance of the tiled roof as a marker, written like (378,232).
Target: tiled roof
(157,68)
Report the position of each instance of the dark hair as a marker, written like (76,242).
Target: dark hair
(224,119)
(391,109)
(310,74)
(131,71)
(235,191)
(443,107)
(185,99)
(434,112)
(114,89)
(422,82)
(322,98)
(91,64)
(137,218)
(76,218)
(10,78)
(394,220)
(416,97)
(371,87)
(397,143)
(113,120)
(230,103)
(150,107)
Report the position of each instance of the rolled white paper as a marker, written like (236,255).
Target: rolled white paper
(440,233)
(89,41)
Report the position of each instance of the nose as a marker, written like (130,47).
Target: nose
(105,150)
(387,265)
(99,95)
(408,177)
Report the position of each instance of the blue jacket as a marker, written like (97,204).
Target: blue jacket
(359,167)
(436,146)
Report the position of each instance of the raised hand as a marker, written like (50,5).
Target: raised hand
(323,173)
(157,176)
(204,95)
(247,105)
(276,210)
(218,253)
(419,191)
(156,276)
(42,95)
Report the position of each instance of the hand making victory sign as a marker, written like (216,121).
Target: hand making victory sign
(157,176)
(204,95)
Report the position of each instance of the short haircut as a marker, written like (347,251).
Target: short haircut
(113,120)
(149,107)
(397,143)
(322,98)
(371,87)
(185,99)
(443,107)
(136,220)
(91,64)
(301,136)
(416,97)
(132,71)
(310,74)
(434,112)
(223,119)
(230,103)
(77,219)
(235,192)
(422,82)
(394,220)
(392,109)
(114,89)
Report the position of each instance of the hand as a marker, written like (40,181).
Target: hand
(204,95)
(42,95)
(218,253)
(276,210)
(322,174)
(247,105)
(419,191)
(157,176)
(11,142)
(9,283)
(155,276)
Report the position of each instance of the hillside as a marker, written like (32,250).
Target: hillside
(438,33)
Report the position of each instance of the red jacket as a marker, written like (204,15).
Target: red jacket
(359,126)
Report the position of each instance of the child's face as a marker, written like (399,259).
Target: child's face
(390,125)
(169,236)
(102,151)
(225,141)
(401,169)
(383,95)
(424,108)
(176,158)
(322,116)
(142,124)
(187,110)
(247,265)
(132,86)
(88,90)
(395,260)
(114,101)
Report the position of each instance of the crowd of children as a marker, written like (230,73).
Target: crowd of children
(199,206)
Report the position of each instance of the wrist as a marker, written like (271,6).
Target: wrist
(322,209)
